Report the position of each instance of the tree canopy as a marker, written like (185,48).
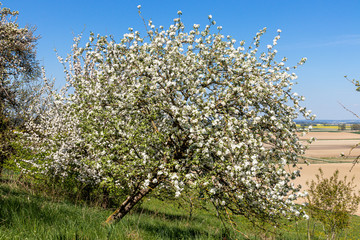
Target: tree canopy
(175,110)
(18,64)
(19,70)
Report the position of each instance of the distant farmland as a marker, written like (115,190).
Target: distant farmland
(325,153)
(332,144)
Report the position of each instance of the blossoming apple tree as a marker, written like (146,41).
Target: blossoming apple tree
(175,109)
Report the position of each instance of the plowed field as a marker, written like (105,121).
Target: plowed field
(330,145)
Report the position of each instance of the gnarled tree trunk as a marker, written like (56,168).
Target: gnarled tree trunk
(130,202)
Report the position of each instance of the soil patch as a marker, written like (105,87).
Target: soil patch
(330,135)
(332,144)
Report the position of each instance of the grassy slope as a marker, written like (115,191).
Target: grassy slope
(27,216)
(24,215)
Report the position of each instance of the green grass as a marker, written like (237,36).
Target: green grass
(329,160)
(27,215)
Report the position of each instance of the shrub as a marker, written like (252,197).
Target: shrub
(331,201)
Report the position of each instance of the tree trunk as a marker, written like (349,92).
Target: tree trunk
(1,168)
(129,203)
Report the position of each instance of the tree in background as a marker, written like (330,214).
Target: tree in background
(355,126)
(19,70)
(341,126)
(171,111)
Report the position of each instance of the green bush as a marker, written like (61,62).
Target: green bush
(331,201)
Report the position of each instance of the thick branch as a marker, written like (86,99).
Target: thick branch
(130,202)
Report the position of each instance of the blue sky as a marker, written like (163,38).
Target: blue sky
(326,32)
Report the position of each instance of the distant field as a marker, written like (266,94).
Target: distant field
(326,127)
(332,144)
(325,153)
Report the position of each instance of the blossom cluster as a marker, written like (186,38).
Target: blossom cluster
(175,109)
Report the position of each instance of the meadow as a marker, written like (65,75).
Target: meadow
(27,213)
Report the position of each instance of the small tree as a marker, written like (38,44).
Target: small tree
(19,70)
(355,126)
(331,201)
(342,127)
(171,110)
